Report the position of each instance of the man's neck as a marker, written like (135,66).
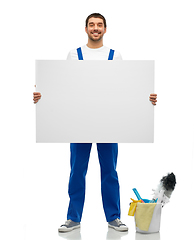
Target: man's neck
(92,44)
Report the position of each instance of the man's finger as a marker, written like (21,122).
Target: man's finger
(37,97)
(37,93)
(153,94)
(153,98)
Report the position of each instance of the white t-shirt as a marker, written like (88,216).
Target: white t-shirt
(101,53)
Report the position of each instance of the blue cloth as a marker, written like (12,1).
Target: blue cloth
(107,154)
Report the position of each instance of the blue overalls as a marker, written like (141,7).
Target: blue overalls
(107,154)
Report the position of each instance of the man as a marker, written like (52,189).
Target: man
(107,152)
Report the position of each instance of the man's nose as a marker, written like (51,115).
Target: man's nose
(96,27)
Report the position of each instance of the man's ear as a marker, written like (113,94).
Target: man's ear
(86,30)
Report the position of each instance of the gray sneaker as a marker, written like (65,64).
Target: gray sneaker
(118,225)
(69,226)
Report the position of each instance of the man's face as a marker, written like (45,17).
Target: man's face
(95,29)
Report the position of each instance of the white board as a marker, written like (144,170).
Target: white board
(94,101)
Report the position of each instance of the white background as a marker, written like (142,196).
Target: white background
(34,177)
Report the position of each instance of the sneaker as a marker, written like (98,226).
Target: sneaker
(118,225)
(69,226)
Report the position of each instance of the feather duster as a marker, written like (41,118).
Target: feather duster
(165,188)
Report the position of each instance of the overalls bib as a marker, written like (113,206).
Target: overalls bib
(107,154)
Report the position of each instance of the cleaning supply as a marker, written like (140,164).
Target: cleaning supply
(143,215)
(133,206)
(153,201)
(137,195)
(165,188)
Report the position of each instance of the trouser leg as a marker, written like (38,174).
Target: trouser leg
(80,153)
(107,153)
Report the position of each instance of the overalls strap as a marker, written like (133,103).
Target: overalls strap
(79,52)
(111,54)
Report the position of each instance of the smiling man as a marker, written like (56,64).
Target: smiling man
(107,152)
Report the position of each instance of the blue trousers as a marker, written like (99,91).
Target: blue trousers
(107,154)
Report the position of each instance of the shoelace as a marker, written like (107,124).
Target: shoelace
(66,223)
(119,222)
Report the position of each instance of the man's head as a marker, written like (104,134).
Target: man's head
(95,26)
(96,15)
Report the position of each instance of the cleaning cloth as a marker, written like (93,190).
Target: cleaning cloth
(143,215)
(133,206)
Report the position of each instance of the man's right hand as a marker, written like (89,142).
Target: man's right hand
(37,96)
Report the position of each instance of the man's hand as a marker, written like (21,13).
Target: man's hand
(153,98)
(37,96)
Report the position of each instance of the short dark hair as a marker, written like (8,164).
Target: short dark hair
(96,15)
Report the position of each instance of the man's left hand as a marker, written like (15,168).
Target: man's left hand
(153,98)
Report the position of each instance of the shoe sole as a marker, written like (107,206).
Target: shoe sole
(118,228)
(68,229)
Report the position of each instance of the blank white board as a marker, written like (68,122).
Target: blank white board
(94,101)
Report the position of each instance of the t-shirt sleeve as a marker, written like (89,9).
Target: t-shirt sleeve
(72,55)
(69,56)
(117,56)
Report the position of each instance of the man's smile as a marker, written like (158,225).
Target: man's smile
(95,34)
